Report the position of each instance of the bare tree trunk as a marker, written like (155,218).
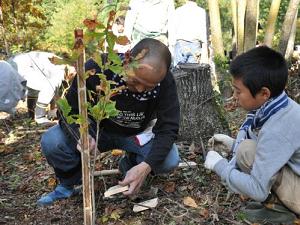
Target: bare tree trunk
(2,29)
(234,21)
(270,29)
(251,19)
(287,25)
(290,46)
(215,26)
(241,9)
(84,140)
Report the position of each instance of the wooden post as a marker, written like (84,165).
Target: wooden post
(85,155)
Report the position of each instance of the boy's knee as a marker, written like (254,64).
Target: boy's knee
(245,154)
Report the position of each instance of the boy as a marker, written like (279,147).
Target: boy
(150,94)
(266,152)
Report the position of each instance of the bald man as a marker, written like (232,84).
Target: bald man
(146,127)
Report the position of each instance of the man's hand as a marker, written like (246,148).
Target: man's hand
(135,178)
(92,144)
(212,158)
(222,139)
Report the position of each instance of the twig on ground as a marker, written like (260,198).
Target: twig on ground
(233,222)
(203,149)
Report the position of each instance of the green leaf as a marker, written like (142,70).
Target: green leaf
(116,69)
(96,111)
(111,40)
(114,57)
(110,109)
(70,119)
(64,106)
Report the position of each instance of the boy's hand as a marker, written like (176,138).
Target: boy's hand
(212,158)
(221,139)
(135,178)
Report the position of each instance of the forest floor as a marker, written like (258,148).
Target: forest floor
(187,196)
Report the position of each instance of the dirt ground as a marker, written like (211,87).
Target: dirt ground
(187,196)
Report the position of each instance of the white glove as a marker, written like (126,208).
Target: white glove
(212,158)
(221,139)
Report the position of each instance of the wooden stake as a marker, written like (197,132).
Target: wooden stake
(152,203)
(115,190)
(116,171)
(85,155)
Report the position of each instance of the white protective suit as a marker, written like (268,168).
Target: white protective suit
(40,73)
(12,87)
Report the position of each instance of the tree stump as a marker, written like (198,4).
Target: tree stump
(200,114)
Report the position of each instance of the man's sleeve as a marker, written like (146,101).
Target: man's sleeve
(167,125)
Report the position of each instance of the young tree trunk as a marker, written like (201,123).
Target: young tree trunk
(215,26)
(2,30)
(241,9)
(291,42)
(270,29)
(84,140)
(234,21)
(287,25)
(251,18)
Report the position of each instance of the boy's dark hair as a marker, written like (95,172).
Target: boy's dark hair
(261,67)
(157,51)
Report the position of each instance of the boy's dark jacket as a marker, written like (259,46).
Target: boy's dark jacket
(165,107)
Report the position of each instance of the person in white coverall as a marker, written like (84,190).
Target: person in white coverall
(13,87)
(43,78)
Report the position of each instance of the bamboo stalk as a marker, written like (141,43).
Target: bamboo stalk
(84,141)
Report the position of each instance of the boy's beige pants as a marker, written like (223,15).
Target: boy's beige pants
(287,183)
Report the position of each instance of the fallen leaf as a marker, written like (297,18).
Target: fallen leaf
(192,147)
(204,213)
(51,182)
(28,156)
(169,187)
(116,152)
(244,198)
(188,201)
(6,149)
(297,221)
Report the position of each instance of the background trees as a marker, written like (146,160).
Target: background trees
(49,24)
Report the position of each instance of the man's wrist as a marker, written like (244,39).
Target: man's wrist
(146,167)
